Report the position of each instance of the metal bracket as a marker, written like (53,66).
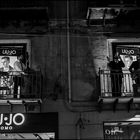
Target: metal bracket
(115,104)
(100,103)
(129,104)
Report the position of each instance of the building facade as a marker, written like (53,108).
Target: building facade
(68,66)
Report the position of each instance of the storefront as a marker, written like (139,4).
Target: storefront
(128,129)
(29,126)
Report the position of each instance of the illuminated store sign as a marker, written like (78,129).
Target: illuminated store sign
(11,51)
(127,50)
(7,122)
(121,130)
(29,123)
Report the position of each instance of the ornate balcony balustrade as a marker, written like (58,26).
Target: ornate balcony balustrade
(118,84)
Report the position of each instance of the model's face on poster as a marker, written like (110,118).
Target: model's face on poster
(127,60)
(5,63)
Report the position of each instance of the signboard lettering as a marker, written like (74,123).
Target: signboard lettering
(29,123)
(122,130)
(127,50)
(113,131)
(8,121)
(8,52)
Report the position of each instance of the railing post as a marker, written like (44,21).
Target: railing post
(41,85)
(99,82)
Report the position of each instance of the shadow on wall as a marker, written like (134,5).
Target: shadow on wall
(53,89)
(84,87)
(31,84)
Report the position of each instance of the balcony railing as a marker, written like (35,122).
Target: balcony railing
(18,86)
(119,84)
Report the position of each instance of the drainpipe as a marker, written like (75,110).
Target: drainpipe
(68,51)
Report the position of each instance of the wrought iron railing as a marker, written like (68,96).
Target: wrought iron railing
(17,85)
(114,84)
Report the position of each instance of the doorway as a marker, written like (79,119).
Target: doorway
(128,49)
(128,53)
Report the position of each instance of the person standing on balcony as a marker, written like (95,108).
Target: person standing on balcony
(19,66)
(116,74)
(135,69)
(19,69)
(135,73)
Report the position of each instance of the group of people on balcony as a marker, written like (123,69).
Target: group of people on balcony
(10,77)
(125,75)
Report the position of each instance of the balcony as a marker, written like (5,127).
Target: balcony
(118,88)
(20,89)
(20,86)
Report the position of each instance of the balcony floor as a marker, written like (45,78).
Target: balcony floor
(120,99)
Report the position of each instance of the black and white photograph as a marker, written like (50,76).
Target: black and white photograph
(69,69)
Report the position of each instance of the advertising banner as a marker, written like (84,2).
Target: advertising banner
(121,130)
(10,51)
(127,50)
(29,123)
